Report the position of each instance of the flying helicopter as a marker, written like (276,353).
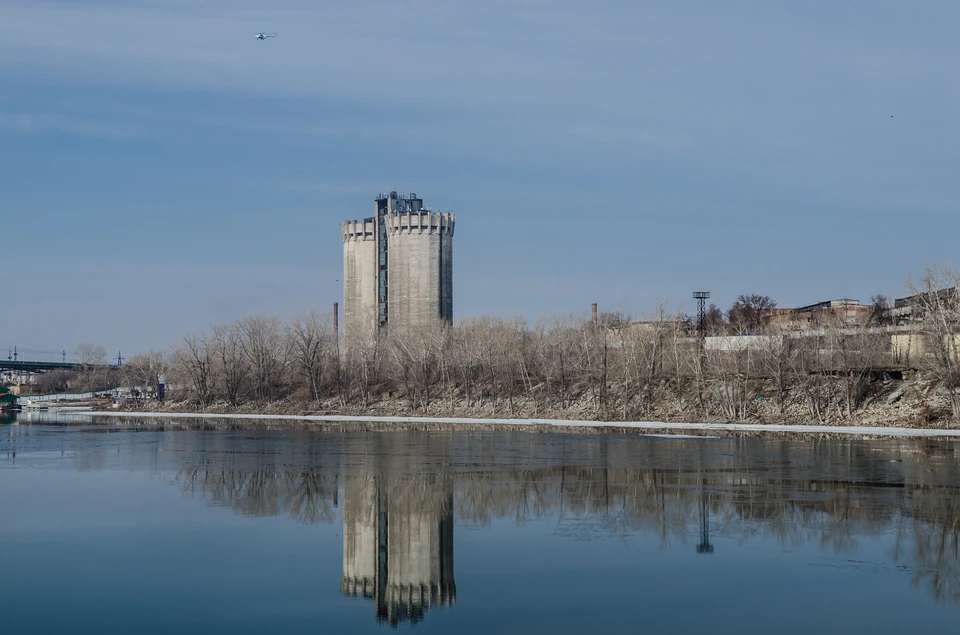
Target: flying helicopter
(263,36)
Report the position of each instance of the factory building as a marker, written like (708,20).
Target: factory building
(397,268)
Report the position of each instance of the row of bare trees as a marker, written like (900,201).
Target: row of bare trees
(614,368)
(619,369)
(258,358)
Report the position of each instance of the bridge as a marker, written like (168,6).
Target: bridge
(42,367)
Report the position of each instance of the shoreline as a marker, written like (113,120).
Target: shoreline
(559,425)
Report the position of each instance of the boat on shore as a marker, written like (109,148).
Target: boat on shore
(8,401)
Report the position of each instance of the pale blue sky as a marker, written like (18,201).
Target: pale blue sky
(162,170)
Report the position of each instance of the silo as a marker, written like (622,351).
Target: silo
(420,291)
(359,279)
(397,269)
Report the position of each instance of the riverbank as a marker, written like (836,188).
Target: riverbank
(909,402)
(361,422)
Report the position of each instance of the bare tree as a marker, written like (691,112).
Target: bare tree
(812,364)
(54,381)
(313,349)
(364,364)
(91,355)
(195,360)
(266,350)
(779,353)
(595,353)
(234,368)
(880,307)
(93,366)
(507,353)
(643,351)
(562,359)
(750,312)
(415,362)
(714,321)
(142,369)
(855,353)
(936,300)
(467,359)
(734,371)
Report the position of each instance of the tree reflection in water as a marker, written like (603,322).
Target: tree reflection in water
(400,491)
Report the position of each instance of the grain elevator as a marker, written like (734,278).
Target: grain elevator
(397,269)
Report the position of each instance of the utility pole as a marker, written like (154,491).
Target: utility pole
(336,325)
(14,353)
(701,298)
(64,353)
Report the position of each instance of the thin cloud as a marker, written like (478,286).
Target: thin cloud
(368,188)
(31,123)
(700,78)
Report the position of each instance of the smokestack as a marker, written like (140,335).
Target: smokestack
(593,312)
(336,324)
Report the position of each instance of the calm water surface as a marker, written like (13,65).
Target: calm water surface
(108,528)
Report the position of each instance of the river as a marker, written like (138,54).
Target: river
(141,527)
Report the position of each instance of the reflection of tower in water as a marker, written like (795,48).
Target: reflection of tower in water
(704,546)
(398,545)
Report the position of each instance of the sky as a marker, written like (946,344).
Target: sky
(161,170)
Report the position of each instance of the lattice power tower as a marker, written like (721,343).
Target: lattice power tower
(397,269)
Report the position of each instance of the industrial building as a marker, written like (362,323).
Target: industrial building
(397,269)
(813,316)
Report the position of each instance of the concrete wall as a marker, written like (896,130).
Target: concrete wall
(739,342)
(912,348)
(907,348)
(420,269)
(359,280)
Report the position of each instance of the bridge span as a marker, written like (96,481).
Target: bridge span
(42,367)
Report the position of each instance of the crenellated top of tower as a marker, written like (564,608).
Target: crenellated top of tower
(423,222)
(399,215)
(352,230)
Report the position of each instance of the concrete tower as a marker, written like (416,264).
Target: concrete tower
(397,268)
